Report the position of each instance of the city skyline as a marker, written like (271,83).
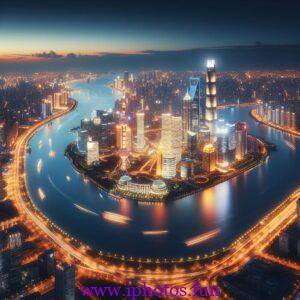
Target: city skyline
(149,149)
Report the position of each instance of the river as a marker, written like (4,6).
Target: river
(232,206)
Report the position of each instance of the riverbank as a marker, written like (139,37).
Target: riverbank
(256,117)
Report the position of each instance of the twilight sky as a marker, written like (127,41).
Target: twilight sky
(91,27)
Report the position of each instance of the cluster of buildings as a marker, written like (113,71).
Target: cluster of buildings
(286,115)
(52,102)
(18,279)
(195,135)
(193,140)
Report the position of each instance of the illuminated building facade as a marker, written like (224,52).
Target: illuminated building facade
(46,108)
(211,96)
(140,130)
(241,140)
(81,140)
(124,136)
(157,188)
(209,158)
(65,282)
(168,166)
(203,136)
(57,100)
(92,154)
(176,132)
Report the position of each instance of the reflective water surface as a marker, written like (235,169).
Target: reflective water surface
(232,206)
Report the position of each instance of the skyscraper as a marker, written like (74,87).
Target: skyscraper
(168,165)
(65,282)
(57,100)
(195,94)
(176,141)
(186,120)
(92,154)
(140,131)
(123,132)
(241,140)
(211,96)
(209,158)
(81,141)
(46,262)
(46,108)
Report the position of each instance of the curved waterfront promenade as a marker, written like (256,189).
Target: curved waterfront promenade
(256,117)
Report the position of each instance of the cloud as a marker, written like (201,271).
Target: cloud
(51,54)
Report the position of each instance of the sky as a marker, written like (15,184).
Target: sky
(122,31)
(131,26)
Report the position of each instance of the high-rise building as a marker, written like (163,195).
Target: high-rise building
(171,136)
(64,98)
(46,108)
(126,79)
(168,165)
(81,141)
(196,109)
(124,136)
(140,130)
(166,132)
(211,96)
(92,154)
(203,137)
(65,282)
(192,146)
(222,135)
(186,120)
(176,142)
(57,100)
(241,140)
(209,158)
(231,153)
(193,112)
(46,262)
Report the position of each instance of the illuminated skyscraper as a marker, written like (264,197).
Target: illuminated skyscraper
(46,108)
(211,96)
(65,282)
(57,100)
(176,142)
(92,154)
(166,132)
(209,158)
(140,131)
(171,136)
(123,137)
(64,98)
(241,140)
(222,135)
(81,141)
(168,166)
(203,137)
(186,121)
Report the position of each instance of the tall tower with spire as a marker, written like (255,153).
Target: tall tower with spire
(211,96)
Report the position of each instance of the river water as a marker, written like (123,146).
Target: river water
(232,206)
